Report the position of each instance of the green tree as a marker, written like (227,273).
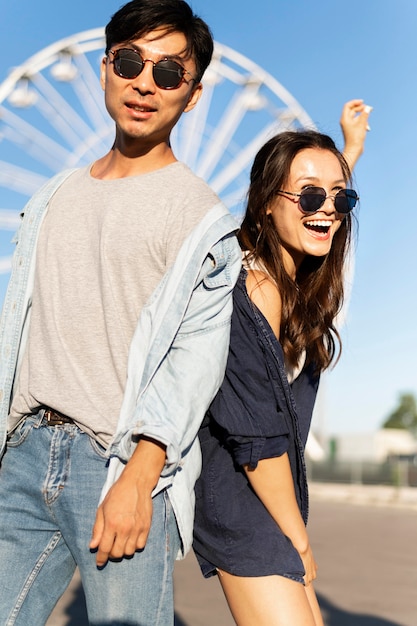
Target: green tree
(404,415)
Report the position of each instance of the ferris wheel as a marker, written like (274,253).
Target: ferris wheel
(52,117)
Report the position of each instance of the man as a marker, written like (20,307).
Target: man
(113,344)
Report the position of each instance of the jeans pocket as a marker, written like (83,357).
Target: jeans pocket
(98,448)
(20,433)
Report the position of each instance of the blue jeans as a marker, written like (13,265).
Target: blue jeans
(50,483)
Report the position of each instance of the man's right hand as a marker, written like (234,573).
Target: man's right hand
(124,518)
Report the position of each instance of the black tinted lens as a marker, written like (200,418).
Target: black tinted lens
(128,63)
(168,74)
(312,199)
(345,200)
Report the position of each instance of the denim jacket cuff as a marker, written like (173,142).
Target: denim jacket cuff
(124,445)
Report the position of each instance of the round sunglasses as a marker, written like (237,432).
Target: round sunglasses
(312,199)
(167,74)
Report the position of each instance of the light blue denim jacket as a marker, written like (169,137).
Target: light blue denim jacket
(177,355)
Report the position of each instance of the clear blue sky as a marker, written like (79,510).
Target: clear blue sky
(324,52)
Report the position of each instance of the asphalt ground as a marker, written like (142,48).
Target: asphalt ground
(365,543)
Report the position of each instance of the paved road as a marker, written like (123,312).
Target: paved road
(367,556)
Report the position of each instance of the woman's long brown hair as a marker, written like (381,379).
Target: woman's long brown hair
(311,302)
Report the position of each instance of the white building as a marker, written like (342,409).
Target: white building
(374,446)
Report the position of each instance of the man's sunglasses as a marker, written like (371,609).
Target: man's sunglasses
(167,74)
(312,199)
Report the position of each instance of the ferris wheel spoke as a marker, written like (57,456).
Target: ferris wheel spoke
(242,160)
(90,94)
(91,148)
(19,179)
(9,220)
(90,143)
(235,201)
(226,129)
(224,69)
(58,113)
(33,141)
(188,134)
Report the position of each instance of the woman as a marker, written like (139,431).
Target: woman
(251,498)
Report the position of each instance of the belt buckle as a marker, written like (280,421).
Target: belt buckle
(53,419)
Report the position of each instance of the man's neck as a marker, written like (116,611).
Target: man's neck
(121,164)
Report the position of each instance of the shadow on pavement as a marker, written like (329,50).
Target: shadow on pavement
(77,611)
(334,616)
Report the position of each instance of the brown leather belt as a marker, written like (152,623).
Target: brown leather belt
(53,418)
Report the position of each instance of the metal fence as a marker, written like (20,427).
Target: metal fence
(398,472)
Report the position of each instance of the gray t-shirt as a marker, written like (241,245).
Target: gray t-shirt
(103,247)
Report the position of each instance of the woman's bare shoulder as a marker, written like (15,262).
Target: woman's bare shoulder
(264,293)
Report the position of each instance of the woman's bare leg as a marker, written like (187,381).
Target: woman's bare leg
(314,605)
(270,601)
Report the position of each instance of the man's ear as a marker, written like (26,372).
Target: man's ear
(194,97)
(103,69)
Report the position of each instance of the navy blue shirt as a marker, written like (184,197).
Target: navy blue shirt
(255,415)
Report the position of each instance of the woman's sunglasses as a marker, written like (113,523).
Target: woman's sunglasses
(167,74)
(312,199)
